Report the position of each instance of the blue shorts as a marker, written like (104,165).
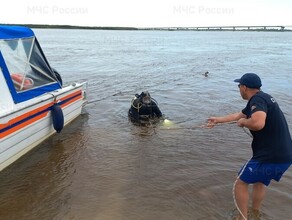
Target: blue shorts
(254,172)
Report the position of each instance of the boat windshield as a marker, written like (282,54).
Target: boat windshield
(26,64)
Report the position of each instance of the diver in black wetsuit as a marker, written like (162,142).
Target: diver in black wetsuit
(144,108)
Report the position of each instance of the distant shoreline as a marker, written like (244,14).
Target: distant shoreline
(258,29)
(45,26)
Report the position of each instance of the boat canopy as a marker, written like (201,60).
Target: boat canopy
(24,65)
(15,32)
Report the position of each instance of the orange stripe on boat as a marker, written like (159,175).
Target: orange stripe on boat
(72,100)
(77,94)
(24,124)
(25,115)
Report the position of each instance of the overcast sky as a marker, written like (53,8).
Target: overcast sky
(148,13)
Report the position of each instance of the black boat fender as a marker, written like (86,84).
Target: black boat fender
(58,117)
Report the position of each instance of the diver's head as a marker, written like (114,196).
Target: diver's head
(145,97)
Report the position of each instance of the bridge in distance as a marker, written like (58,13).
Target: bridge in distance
(226,28)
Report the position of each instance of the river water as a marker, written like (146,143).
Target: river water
(102,167)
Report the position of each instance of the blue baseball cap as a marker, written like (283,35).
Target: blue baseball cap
(250,80)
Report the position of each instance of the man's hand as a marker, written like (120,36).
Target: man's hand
(240,122)
(255,123)
(211,122)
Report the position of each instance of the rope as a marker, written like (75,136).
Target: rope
(140,103)
(233,191)
(234,199)
(218,124)
(245,131)
(138,106)
(200,126)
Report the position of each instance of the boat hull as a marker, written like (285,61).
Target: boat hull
(26,128)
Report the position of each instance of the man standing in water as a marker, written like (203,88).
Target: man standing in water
(271,144)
